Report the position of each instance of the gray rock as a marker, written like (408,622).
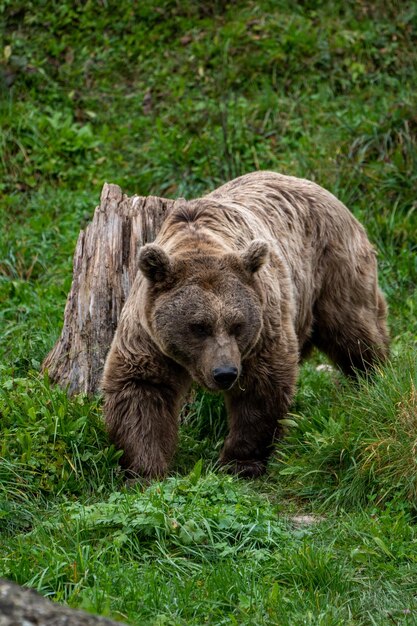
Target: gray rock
(25,607)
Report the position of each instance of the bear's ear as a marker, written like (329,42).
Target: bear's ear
(154,263)
(255,255)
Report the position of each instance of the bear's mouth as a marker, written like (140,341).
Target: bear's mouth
(225,387)
(215,387)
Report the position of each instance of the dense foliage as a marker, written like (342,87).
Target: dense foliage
(173,98)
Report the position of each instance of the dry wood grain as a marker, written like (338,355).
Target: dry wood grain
(105,265)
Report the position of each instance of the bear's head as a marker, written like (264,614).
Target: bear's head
(203,311)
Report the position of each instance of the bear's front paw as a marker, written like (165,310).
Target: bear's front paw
(245,469)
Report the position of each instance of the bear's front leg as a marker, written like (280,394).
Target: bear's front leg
(142,400)
(260,398)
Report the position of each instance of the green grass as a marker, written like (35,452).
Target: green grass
(173,98)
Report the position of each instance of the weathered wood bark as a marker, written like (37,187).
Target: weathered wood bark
(105,265)
(23,607)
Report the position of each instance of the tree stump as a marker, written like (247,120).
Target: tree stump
(105,265)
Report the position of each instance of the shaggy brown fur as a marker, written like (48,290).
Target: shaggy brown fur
(238,286)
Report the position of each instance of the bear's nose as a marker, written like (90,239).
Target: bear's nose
(225,376)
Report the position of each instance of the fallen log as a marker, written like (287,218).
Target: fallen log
(24,607)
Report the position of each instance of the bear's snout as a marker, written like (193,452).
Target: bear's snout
(225,376)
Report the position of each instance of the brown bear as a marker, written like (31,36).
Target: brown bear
(237,288)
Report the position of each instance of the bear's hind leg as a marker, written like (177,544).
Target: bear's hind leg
(354,336)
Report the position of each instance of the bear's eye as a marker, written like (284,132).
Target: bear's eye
(236,329)
(200,330)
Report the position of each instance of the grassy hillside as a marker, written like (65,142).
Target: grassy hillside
(173,98)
